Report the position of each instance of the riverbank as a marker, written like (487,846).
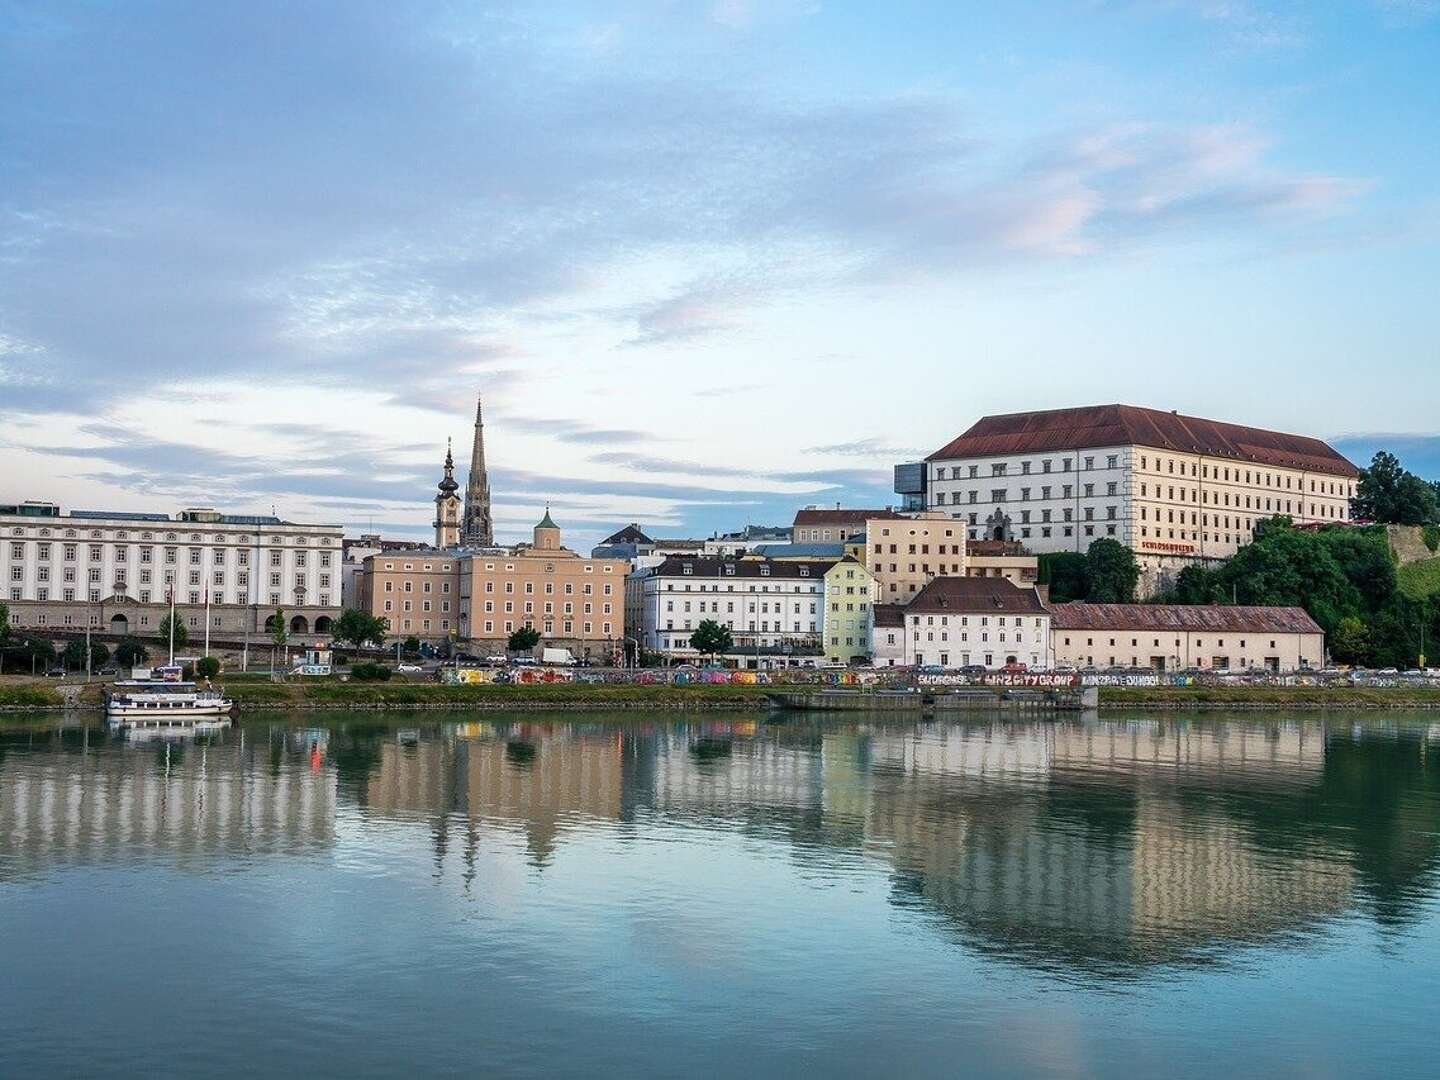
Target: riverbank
(257,696)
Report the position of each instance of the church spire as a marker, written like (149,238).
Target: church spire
(447,505)
(477,529)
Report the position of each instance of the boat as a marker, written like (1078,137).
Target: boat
(156,703)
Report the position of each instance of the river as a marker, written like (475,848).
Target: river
(671,895)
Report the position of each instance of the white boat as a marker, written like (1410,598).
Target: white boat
(162,704)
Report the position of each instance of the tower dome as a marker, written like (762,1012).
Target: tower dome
(547,533)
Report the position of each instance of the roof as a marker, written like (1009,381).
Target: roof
(716,567)
(547,522)
(800,551)
(813,516)
(630,534)
(1181,617)
(977,594)
(887,615)
(1129,425)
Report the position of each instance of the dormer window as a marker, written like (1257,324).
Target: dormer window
(730,570)
(689,569)
(764,571)
(804,571)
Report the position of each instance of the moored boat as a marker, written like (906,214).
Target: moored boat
(156,704)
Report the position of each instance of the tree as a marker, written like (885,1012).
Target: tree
(1388,493)
(130,653)
(1196,585)
(710,638)
(4,622)
(27,650)
(1064,572)
(74,654)
(1350,643)
(181,635)
(207,667)
(358,627)
(524,639)
(1111,573)
(411,645)
(99,654)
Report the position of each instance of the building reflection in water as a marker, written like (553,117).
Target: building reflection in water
(1099,846)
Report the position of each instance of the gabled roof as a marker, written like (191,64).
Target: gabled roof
(1213,618)
(1128,425)
(840,516)
(976,595)
(630,534)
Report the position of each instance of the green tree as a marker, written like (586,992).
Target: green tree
(4,622)
(711,638)
(358,627)
(29,651)
(524,639)
(279,636)
(1286,567)
(207,667)
(1350,643)
(1388,493)
(99,654)
(411,645)
(1195,584)
(74,654)
(181,634)
(1111,573)
(130,653)
(1064,572)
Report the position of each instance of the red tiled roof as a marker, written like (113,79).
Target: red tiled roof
(976,594)
(1128,425)
(888,615)
(841,517)
(1180,617)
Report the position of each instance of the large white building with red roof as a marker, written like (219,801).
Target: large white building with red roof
(1175,489)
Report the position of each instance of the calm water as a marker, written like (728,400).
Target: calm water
(544,896)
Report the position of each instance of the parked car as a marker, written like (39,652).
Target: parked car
(1015,669)
(409,669)
(497,659)
(973,669)
(109,669)
(55,673)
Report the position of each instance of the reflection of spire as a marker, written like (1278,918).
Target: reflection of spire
(477,529)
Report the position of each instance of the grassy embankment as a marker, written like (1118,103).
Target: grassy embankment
(1338,697)
(1419,580)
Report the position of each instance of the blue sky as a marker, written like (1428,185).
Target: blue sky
(708,262)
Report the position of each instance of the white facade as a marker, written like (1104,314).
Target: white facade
(767,606)
(958,639)
(887,640)
(1170,508)
(87,557)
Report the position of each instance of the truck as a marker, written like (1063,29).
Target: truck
(557,657)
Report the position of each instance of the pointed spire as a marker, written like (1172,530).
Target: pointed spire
(547,522)
(448,484)
(477,529)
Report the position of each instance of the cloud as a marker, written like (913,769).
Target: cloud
(871,447)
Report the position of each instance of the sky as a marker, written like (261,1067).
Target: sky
(706,262)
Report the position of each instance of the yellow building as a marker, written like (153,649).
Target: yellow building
(849,600)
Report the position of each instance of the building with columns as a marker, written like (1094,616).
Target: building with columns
(1175,489)
(113,571)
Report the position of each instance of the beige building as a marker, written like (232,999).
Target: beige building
(849,598)
(1003,559)
(904,553)
(1171,637)
(827,525)
(1175,489)
(483,596)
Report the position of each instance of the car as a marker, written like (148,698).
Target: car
(55,673)
(973,669)
(496,659)
(1014,669)
(109,669)
(524,661)
(1388,671)
(409,669)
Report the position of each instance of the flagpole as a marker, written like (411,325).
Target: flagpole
(172,625)
(207,620)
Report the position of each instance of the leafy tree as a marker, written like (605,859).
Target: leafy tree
(207,667)
(1350,643)
(181,634)
(1196,584)
(1111,573)
(130,653)
(1064,572)
(524,639)
(74,654)
(411,645)
(358,627)
(279,636)
(1286,567)
(99,653)
(710,638)
(27,650)
(1388,493)
(4,622)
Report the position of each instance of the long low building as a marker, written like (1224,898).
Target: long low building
(1171,637)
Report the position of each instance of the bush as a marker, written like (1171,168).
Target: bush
(187,671)
(369,672)
(130,653)
(207,667)
(1431,535)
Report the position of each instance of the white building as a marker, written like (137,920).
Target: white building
(887,635)
(984,622)
(773,609)
(1175,489)
(113,570)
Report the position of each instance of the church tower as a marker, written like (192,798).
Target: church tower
(447,506)
(477,530)
(547,533)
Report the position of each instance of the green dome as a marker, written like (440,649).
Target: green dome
(546,522)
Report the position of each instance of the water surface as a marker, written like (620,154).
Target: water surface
(543,895)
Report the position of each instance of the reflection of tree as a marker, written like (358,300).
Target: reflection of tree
(1376,801)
